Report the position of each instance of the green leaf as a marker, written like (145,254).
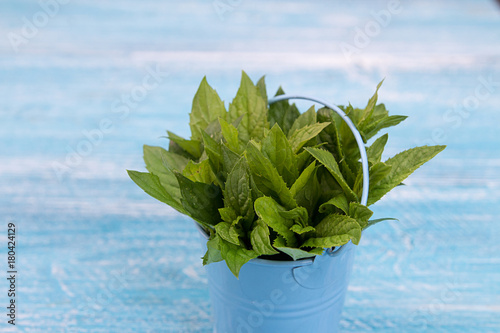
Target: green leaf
(200,201)
(368,112)
(260,240)
(207,107)
(335,230)
(237,192)
(373,128)
(156,162)
(213,130)
(298,229)
(296,254)
(230,133)
(403,165)
(330,135)
(283,114)
(249,103)
(269,211)
(199,172)
(192,147)
(303,159)
(339,201)
(306,189)
(227,232)
(213,253)
(214,153)
(298,215)
(303,179)
(227,214)
(301,136)
(375,151)
(372,222)
(158,158)
(327,159)
(261,85)
(377,172)
(360,213)
(150,183)
(235,255)
(307,118)
(229,159)
(176,149)
(277,149)
(267,178)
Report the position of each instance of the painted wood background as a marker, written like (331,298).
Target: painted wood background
(96,254)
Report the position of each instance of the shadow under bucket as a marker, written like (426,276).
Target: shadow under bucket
(281,296)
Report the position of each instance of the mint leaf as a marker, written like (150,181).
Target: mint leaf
(377,172)
(295,253)
(307,118)
(249,104)
(339,201)
(156,162)
(192,147)
(403,165)
(214,153)
(199,172)
(330,135)
(230,133)
(298,215)
(213,253)
(200,201)
(374,152)
(368,112)
(277,149)
(282,113)
(373,128)
(327,159)
(298,229)
(360,213)
(229,158)
(235,256)
(335,230)
(306,189)
(372,222)
(158,158)
(267,178)
(260,240)
(227,232)
(269,211)
(261,86)
(237,192)
(150,183)
(228,214)
(301,136)
(207,107)
(303,179)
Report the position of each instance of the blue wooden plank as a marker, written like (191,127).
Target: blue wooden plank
(97,255)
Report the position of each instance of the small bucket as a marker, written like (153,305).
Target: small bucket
(281,296)
(285,296)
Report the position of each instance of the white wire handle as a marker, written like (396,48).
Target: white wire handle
(355,132)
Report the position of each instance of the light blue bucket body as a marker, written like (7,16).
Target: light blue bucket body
(281,296)
(303,296)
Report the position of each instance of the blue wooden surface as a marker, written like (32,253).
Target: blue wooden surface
(98,255)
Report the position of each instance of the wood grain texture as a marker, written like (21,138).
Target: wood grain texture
(96,254)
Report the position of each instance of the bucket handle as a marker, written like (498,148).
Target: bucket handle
(354,130)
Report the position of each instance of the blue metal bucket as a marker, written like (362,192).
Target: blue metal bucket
(281,296)
(286,296)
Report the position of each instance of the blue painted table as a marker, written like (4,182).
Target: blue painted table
(84,84)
